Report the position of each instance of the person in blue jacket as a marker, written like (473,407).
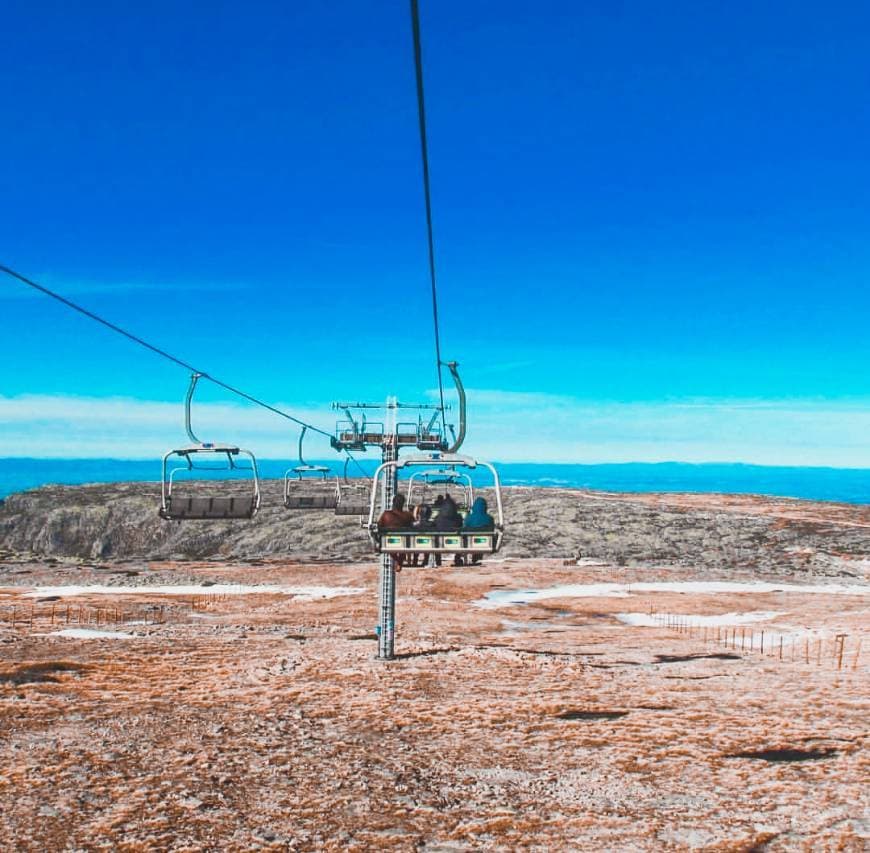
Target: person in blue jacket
(478,518)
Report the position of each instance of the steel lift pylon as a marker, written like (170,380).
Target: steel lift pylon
(390,437)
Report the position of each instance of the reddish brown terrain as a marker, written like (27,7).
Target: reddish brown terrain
(603,715)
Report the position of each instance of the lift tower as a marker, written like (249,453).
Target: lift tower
(390,435)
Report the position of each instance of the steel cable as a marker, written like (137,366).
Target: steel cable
(158,351)
(424,152)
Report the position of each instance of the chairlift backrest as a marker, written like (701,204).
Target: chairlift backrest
(353,498)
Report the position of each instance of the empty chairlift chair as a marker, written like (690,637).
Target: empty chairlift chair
(353,435)
(423,486)
(420,435)
(185,493)
(462,541)
(352,497)
(309,486)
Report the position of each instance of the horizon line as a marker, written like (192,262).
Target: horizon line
(600,464)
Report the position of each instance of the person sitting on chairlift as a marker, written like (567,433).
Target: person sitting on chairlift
(449,520)
(396,518)
(478,519)
(422,522)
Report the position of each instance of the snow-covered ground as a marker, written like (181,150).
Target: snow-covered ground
(655,620)
(509,597)
(92,634)
(299,593)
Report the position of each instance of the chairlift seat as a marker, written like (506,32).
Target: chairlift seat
(309,486)
(311,501)
(209,509)
(351,507)
(435,542)
(352,498)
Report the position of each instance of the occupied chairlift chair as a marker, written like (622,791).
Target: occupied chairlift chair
(309,486)
(207,507)
(472,542)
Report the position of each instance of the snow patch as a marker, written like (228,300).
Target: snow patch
(91,634)
(509,597)
(299,593)
(656,620)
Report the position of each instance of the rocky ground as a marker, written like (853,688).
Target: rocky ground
(609,716)
(119,522)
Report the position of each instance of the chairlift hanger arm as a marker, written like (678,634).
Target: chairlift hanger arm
(453,367)
(301,439)
(188,401)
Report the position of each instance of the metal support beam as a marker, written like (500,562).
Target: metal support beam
(386,629)
(396,405)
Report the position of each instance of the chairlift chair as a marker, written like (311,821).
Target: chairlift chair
(309,486)
(422,436)
(207,505)
(353,498)
(421,484)
(356,435)
(473,542)
(407,434)
(429,435)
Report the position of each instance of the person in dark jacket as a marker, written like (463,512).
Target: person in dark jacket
(448,519)
(479,518)
(422,522)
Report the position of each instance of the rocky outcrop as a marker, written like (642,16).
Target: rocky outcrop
(119,522)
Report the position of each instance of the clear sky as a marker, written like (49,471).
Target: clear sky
(648,217)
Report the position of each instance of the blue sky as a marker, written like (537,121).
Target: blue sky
(646,215)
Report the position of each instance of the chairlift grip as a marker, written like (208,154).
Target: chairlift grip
(453,367)
(301,439)
(194,377)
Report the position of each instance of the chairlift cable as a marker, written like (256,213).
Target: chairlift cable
(180,362)
(424,153)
